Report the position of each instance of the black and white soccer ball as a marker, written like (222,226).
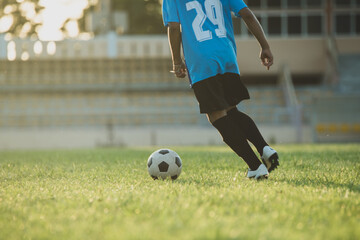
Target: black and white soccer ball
(164,163)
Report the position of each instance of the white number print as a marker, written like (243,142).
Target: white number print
(214,12)
(198,22)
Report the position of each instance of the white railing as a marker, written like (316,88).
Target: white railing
(110,46)
(332,68)
(292,103)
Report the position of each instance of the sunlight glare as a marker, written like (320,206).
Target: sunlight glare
(11,51)
(28,10)
(25,56)
(25,30)
(55,14)
(9,9)
(38,48)
(6,22)
(51,48)
(8,37)
(72,28)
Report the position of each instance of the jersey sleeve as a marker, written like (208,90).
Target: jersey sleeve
(236,6)
(169,12)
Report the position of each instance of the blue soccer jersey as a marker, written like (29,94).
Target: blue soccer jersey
(207,35)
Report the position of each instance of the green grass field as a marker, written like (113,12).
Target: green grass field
(108,194)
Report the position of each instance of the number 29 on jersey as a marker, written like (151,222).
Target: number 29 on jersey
(213,12)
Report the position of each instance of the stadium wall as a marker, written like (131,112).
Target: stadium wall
(303,55)
(73,138)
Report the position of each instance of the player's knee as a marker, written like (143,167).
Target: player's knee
(213,116)
(231,108)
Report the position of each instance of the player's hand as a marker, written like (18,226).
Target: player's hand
(179,70)
(267,58)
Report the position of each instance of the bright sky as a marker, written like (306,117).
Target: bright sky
(54,15)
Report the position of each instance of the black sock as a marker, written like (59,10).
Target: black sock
(246,124)
(236,140)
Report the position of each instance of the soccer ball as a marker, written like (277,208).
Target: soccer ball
(164,163)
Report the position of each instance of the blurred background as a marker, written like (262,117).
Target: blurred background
(95,73)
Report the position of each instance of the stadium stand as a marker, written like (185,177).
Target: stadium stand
(80,86)
(336,118)
(267,105)
(39,93)
(135,92)
(55,93)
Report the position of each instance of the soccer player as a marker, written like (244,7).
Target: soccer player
(204,30)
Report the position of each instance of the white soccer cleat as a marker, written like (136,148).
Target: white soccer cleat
(270,158)
(259,173)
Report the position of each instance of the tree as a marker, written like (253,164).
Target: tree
(20,17)
(144,15)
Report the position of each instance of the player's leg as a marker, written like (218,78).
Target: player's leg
(249,127)
(268,155)
(235,92)
(234,137)
(210,94)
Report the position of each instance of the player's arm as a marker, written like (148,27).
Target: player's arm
(255,28)
(174,35)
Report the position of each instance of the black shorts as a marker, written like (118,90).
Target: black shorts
(220,92)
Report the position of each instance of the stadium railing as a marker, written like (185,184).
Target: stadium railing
(101,47)
(293,106)
(332,63)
